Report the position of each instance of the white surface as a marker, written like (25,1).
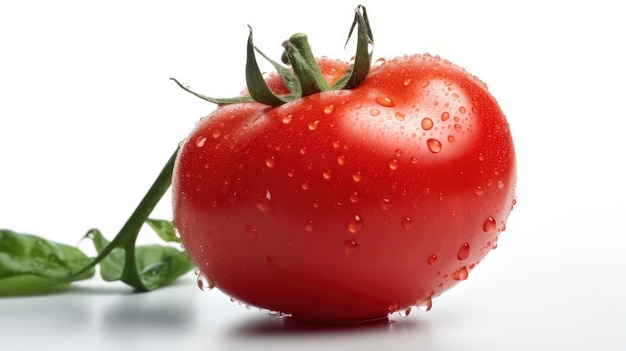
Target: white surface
(88,117)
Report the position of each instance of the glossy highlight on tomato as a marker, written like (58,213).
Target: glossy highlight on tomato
(348,205)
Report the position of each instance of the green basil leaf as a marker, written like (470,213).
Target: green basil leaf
(164,229)
(157,265)
(32,264)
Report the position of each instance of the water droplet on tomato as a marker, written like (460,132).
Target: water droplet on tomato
(425,305)
(407,222)
(351,247)
(478,190)
(329,109)
(413,160)
(287,118)
(216,133)
(404,313)
(385,101)
(341,159)
(264,201)
(374,112)
(427,123)
(460,274)
(305,185)
(458,127)
(462,109)
(385,204)
(354,197)
(445,116)
(252,231)
(393,164)
(432,259)
(355,223)
(309,226)
(399,116)
(200,141)
(356,177)
(434,145)
(313,125)
(424,83)
(204,282)
(464,252)
(500,184)
(481,157)
(327,174)
(407,82)
(270,162)
(489,224)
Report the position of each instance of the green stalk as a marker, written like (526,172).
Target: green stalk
(127,236)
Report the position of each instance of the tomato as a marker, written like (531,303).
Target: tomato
(348,205)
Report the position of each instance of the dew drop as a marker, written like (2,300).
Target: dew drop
(354,197)
(309,226)
(350,247)
(287,118)
(216,133)
(270,162)
(462,109)
(478,190)
(355,224)
(425,305)
(460,274)
(313,125)
(305,186)
(432,259)
(481,157)
(329,109)
(302,150)
(385,204)
(327,174)
(356,177)
(200,141)
(252,231)
(434,145)
(399,116)
(445,116)
(407,82)
(204,283)
(424,83)
(264,202)
(413,160)
(500,184)
(291,173)
(341,160)
(427,123)
(451,138)
(458,127)
(385,101)
(407,222)
(464,252)
(404,313)
(393,164)
(490,224)
(374,112)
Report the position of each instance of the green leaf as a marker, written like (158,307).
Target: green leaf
(32,264)
(164,229)
(156,265)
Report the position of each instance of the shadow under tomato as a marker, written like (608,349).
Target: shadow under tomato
(273,326)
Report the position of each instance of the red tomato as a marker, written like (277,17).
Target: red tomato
(348,205)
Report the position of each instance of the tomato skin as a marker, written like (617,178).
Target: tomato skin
(345,206)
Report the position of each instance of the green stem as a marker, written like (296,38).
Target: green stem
(301,58)
(127,236)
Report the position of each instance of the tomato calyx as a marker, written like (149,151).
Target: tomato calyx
(304,77)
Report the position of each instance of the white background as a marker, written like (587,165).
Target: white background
(88,117)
